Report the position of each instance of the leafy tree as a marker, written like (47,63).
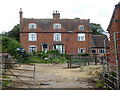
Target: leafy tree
(14,33)
(10,45)
(97,29)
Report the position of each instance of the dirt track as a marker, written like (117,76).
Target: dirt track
(58,76)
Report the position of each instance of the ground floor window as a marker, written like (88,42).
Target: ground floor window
(94,51)
(60,48)
(81,50)
(101,51)
(32,48)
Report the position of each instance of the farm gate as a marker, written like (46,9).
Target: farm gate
(13,75)
(111,63)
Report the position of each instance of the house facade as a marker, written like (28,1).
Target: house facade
(71,36)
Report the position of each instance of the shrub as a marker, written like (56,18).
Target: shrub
(84,54)
(99,84)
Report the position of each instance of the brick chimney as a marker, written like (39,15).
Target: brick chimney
(56,15)
(21,14)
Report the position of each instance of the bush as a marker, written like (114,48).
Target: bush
(84,54)
(99,84)
(9,45)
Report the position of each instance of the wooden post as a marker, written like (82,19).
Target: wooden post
(70,61)
(89,60)
(95,60)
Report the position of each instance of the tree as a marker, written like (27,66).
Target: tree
(97,29)
(14,33)
(10,45)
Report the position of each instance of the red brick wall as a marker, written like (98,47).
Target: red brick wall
(115,27)
(71,46)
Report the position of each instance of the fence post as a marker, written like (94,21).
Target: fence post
(70,62)
(89,60)
(95,60)
(34,77)
(115,44)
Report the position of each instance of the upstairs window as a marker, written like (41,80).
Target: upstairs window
(81,37)
(57,36)
(32,37)
(56,26)
(32,48)
(32,26)
(81,50)
(81,27)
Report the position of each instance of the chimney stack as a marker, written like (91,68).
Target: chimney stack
(21,14)
(56,15)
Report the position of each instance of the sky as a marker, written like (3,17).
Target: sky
(98,11)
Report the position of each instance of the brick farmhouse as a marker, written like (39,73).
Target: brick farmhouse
(71,36)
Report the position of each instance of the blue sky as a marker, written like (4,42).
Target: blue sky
(98,11)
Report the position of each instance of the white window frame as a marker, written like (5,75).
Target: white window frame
(79,50)
(81,27)
(29,48)
(95,50)
(56,26)
(62,47)
(32,26)
(103,51)
(57,36)
(81,36)
(32,37)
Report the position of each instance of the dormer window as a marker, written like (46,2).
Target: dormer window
(32,26)
(81,27)
(57,26)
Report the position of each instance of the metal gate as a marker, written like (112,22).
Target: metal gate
(111,73)
(13,74)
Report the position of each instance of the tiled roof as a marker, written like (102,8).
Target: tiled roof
(69,24)
(113,15)
(98,40)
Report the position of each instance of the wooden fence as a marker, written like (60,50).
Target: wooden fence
(77,61)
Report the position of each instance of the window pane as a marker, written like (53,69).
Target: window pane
(32,48)
(57,26)
(81,37)
(57,37)
(32,37)
(81,50)
(32,26)
(93,51)
(81,27)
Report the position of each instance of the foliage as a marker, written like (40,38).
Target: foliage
(9,45)
(99,84)
(55,52)
(76,18)
(5,83)
(97,29)
(84,54)
(14,33)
